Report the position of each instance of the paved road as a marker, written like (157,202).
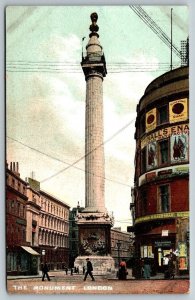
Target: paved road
(75,285)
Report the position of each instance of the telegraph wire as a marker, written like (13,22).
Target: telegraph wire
(81,158)
(70,67)
(62,161)
(78,160)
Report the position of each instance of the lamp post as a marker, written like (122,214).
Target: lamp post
(118,244)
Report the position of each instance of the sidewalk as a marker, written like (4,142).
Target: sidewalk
(78,277)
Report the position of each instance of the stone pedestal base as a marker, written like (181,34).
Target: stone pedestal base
(102,265)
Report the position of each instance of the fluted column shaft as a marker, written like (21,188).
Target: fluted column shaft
(94,149)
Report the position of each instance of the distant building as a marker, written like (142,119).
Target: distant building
(53,231)
(122,245)
(73,235)
(160,202)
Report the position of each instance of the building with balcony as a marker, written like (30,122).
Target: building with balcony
(160,204)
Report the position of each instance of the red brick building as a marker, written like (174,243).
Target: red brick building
(37,226)
(21,259)
(161,192)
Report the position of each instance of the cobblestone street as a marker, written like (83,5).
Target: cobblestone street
(62,284)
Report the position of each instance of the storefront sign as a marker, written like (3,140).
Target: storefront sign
(165,233)
(21,221)
(165,172)
(164,133)
(151,120)
(181,170)
(150,176)
(178,110)
(161,244)
(184,214)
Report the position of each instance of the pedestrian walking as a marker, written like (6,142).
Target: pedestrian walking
(171,267)
(66,270)
(83,270)
(89,270)
(71,271)
(45,271)
(166,266)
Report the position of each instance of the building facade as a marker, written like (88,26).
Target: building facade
(122,246)
(160,204)
(73,235)
(53,231)
(20,257)
(37,226)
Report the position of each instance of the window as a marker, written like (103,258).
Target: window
(18,210)
(13,182)
(143,160)
(24,235)
(164,204)
(162,114)
(164,152)
(33,238)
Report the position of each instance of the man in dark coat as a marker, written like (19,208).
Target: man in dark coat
(89,270)
(45,271)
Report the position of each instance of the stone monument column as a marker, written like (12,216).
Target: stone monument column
(94,223)
(94,68)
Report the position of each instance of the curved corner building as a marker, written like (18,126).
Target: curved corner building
(161,192)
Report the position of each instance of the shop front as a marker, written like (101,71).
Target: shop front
(22,260)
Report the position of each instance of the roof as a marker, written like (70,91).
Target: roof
(53,198)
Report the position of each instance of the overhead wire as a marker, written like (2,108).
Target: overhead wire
(144,16)
(74,67)
(81,158)
(62,161)
(78,160)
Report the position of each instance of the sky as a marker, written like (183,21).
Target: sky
(45,93)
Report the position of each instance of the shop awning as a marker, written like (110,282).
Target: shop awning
(30,250)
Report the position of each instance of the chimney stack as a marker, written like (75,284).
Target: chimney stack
(14,167)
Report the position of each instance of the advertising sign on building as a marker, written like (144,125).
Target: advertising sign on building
(182,247)
(151,120)
(179,148)
(178,110)
(165,133)
(151,155)
(150,253)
